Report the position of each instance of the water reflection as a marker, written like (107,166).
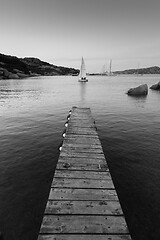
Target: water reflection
(82,93)
(138,98)
(138,101)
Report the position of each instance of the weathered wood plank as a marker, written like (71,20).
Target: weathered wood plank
(75,166)
(81,114)
(83,237)
(81,124)
(82,160)
(82,194)
(84,137)
(84,207)
(82,155)
(79,131)
(81,140)
(82,183)
(82,174)
(81,118)
(77,121)
(79,149)
(83,133)
(83,224)
(72,145)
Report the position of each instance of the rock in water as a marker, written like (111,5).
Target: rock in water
(138,91)
(155,86)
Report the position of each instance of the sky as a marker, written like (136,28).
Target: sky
(62,31)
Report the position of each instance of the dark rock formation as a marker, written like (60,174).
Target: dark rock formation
(10,63)
(15,68)
(12,67)
(138,91)
(155,86)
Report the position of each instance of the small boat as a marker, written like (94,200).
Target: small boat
(82,74)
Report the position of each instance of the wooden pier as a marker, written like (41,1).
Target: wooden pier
(83,203)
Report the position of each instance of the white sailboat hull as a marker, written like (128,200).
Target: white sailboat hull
(83,80)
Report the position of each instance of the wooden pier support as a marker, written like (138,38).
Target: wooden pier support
(83,203)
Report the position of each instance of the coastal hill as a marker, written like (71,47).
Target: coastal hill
(12,67)
(149,70)
(37,66)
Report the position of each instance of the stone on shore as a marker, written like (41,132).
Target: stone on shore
(22,75)
(138,91)
(6,73)
(13,76)
(155,86)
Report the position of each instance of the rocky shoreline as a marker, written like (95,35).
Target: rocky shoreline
(140,71)
(12,67)
(16,74)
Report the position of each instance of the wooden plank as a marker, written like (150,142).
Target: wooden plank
(81,124)
(77,119)
(81,140)
(73,145)
(82,183)
(81,110)
(82,160)
(83,114)
(83,237)
(78,126)
(82,174)
(75,166)
(83,224)
(81,121)
(82,194)
(84,137)
(84,207)
(82,155)
(79,149)
(81,131)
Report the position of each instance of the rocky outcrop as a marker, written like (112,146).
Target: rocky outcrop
(138,91)
(15,68)
(155,86)
(12,68)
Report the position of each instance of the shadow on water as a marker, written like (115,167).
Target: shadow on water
(138,98)
(138,101)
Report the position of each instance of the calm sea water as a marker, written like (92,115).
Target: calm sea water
(32,116)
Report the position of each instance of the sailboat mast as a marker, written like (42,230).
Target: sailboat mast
(110,67)
(103,70)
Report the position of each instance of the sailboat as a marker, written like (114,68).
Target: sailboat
(82,74)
